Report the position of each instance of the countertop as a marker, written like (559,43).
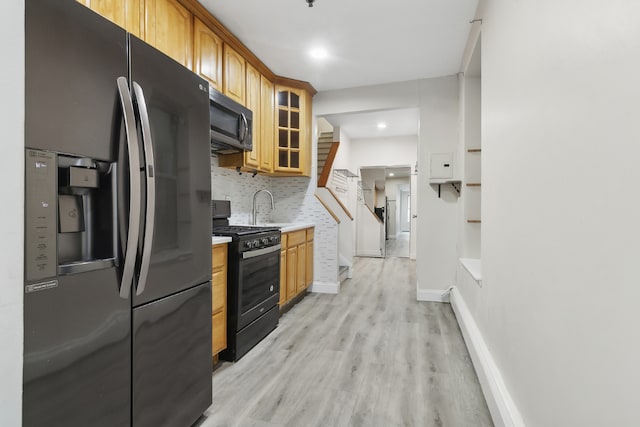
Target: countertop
(286,227)
(216,240)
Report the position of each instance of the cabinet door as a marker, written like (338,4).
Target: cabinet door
(219,298)
(292,265)
(234,75)
(207,54)
(301,283)
(266,138)
(290,108)
(128,14)
(218,332)
(283,277)
(169,28)
(253,90)
(309,270)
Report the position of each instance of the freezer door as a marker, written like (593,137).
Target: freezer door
(73,57)
(172,359)
(178,174)
(77,352)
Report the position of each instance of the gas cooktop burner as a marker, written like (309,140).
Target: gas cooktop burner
(241,230)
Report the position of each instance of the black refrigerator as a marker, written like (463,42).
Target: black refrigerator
(117,303)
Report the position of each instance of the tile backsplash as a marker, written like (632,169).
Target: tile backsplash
(227,184)
(295,201)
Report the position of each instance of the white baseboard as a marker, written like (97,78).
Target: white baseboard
(501,406)
(432,295)
(371,254)
(325,287)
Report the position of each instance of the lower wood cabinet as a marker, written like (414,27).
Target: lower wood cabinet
(296,264)
(218,298)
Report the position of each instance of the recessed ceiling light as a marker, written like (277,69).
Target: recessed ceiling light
(382,125)
(319,53)
(391,174)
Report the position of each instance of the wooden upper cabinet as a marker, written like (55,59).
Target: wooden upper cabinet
(169,28)
(253,90)
(128,14)
(234,75)
(207,54)
(266,138)
(292,133)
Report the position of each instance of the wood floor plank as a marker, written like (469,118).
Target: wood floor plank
(370,356)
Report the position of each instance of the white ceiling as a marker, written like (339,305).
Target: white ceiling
(365,125)
(369,42)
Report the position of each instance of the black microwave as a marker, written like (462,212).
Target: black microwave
(231,124)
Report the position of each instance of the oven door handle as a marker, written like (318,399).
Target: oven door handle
(260,252)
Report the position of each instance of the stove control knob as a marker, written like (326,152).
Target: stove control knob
(255,243)
(247,244)
(265,241)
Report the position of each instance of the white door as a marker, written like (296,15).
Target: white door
(391,219)
(405,211)
(413,211)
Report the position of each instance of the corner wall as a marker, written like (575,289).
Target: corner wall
(558,307)
(437,216)
(11,226)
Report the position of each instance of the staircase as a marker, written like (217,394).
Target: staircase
(327,149)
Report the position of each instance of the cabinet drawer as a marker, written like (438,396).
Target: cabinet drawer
(219,278)
(218,296)
(218,332)
(310,233)
(296,237)
(219,256)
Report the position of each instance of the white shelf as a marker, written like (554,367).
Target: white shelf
(473,266)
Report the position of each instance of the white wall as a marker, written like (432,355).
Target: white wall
(11,226)
(397,150)
(558,309)
(437,217)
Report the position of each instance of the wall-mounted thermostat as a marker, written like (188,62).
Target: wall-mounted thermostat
(441,167)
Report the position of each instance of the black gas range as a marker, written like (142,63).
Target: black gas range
(253,282)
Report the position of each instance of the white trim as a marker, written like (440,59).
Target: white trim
(432,295)
(502,407)
(325,287)
(370,254)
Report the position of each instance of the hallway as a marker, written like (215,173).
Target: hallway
(369,356)
(399,247)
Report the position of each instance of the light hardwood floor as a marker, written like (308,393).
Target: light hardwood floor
(370,356)
(398,247)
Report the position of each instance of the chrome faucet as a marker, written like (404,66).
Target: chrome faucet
(255,212)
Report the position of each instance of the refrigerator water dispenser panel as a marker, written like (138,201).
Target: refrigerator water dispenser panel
(40,215)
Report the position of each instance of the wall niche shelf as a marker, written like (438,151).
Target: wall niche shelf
(473,184)
(474,150)
(473,221)
(455,183)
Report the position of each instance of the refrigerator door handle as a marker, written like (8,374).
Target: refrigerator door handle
(151,188)
(128,115)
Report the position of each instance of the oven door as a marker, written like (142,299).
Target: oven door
(258,283)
